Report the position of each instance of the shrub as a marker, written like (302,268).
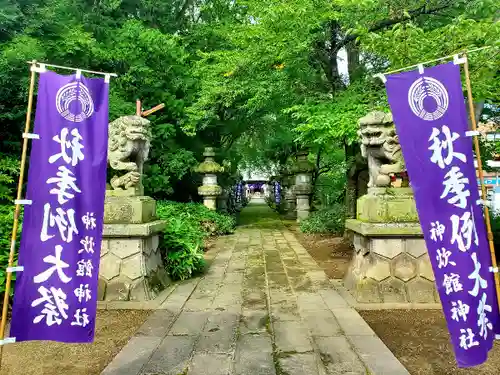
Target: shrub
(187,226)
(325,220)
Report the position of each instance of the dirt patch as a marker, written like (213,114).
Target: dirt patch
(333,254)
(420,340)
(113,329)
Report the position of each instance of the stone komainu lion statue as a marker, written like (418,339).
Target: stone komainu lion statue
(380,146)
(128,149)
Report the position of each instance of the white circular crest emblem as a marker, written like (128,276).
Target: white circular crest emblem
(67,95)
(424,88)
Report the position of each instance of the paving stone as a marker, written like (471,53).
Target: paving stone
(226,299)
(299,364)
(210,364)
(254,299)
(158,324)
(133,356)
(376,356)
(254,355)
(285,312)
(321,323)
(234,278)
(216,271)
(338,356)
(254,321)
(222,319)
(274,266)
(333,299)
(262,286)
(351,322)
(200,303)
(189,323)
(236,266)
(283,305)
(171,357)
(277,280)
(219,340)
(179,296)
(291,336)
(310,301)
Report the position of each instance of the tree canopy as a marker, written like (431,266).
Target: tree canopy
(257,80)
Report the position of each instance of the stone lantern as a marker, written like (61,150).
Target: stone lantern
(303,184)
(209,190)
(289,193)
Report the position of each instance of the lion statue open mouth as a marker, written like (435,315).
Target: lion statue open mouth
(380,146)
(128,149)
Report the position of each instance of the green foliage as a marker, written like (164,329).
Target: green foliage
(9,170)
(330,188)
(325,220)
(6,221)
(188,224)
(495,229)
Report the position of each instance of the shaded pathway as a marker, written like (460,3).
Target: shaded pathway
(263,308)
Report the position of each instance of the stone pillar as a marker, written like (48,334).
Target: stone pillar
(303,185)
(209,190)
(131,267)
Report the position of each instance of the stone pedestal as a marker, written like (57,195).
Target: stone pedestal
(131,267)
(387,205)
(390,262)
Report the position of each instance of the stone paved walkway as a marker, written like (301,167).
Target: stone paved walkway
(263,308)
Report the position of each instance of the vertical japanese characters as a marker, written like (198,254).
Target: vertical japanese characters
(58,229)
(56,294)
(464,238)
(431,122)
(277,192)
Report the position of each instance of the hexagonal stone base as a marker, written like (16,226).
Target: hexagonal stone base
(131,268)
(390,269)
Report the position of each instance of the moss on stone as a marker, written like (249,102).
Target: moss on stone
(209,166)
(210,190)
(384,229)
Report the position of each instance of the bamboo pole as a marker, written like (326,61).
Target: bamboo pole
(138,108)
(480,170)
(153,110)
(8,281)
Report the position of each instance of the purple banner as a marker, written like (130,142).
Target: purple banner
(239,192)
(431,122)
(56,294)
(277,192)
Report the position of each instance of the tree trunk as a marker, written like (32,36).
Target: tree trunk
(353,66)
(357,164)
